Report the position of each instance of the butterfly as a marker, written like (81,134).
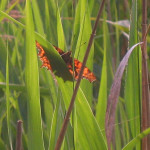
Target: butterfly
(74,68)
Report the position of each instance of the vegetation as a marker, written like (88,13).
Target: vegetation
(110,113)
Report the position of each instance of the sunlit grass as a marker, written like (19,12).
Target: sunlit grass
(32,94)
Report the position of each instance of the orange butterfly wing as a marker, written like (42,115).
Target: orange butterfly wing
(43,57)
(87,74)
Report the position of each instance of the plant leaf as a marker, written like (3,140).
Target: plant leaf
(136,140)
(35,134)
(113,96)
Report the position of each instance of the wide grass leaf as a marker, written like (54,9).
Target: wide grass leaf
(35,135)
(87,131)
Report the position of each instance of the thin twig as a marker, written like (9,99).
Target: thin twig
(66,120)
(19,135)
(145,36)
(145,121)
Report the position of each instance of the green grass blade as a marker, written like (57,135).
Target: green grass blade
(87,132)
(60,32)
(51,20)
(37,16)
(114,95)
(134,142)
(3,5)
(8,100)
(132,84)
(85,30)
(102,98)
(35,135)
(56,124)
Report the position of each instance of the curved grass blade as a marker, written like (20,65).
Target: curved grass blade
(113,96)
(136,140)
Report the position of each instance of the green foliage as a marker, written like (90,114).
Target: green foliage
(35,135)
(40,99)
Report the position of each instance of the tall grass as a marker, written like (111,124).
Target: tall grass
(40,99)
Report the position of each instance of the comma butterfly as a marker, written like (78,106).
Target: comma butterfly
(87,74)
